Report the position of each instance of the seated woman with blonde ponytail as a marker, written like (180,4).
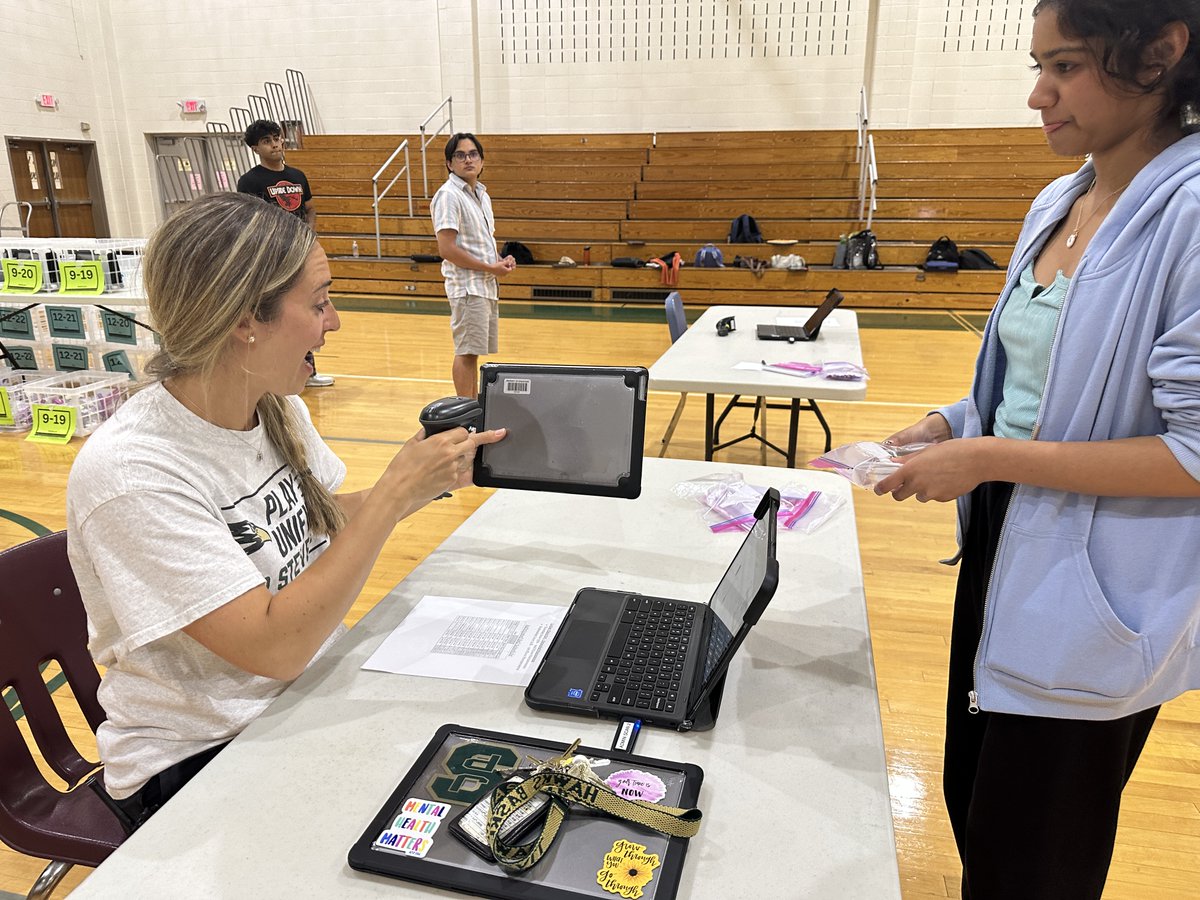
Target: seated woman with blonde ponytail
(214,558)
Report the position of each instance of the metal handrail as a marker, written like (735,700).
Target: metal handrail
(24,229)
(862,123)
(448,103)
(873,178)
(259,106)
(277,100)
(379,196)
(175,181)
(860,148)
(240,119)
(298,92)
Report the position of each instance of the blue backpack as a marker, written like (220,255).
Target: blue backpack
(710,257)
(744,230)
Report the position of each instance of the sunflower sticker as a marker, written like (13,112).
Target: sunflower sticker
(627,869)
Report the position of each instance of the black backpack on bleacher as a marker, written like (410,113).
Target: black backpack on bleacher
(518,251)
(744,230)
(943,256)
(974,258)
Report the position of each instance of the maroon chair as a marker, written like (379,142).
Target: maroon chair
(42,619)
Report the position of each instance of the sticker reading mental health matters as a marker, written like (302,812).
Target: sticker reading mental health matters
(412,830)
(403,843)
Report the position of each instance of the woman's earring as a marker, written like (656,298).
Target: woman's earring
(250,340)
(1189,116)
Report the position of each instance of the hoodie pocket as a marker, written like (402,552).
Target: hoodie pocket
(1052,625)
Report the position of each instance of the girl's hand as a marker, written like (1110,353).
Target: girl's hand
(933,429)
(942,472)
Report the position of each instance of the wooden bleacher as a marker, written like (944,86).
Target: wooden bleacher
(643,195)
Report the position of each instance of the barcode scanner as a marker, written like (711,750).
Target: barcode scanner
(447,413)
(450,412)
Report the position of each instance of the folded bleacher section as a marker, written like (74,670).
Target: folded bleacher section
(644,195)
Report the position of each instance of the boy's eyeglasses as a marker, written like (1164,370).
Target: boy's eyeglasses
(472,155)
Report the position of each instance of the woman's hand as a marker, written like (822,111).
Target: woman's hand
(426,467)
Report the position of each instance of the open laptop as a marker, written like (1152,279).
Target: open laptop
(810,329)
(620,654)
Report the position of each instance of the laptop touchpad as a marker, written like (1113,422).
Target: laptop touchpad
(579,641)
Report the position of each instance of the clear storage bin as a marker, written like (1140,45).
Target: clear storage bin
(64,320)
(20,324)
(95,395)
(74,356)
(13,382)
(30,354)
(125,325)
(130,361)
(38,253)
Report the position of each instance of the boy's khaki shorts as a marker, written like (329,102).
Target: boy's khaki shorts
(475,325)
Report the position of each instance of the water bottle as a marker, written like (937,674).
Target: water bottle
(839,255)
(354,249)
(587,256)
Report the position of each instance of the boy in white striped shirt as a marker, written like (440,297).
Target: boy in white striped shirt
(465,228)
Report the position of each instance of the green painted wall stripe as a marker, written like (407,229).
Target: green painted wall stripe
(641,312)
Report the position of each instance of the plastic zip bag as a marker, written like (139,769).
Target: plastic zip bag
(865,463)
(833,371)
(729,503)
(844,371)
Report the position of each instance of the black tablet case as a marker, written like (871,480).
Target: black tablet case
(452,769)
(571,429)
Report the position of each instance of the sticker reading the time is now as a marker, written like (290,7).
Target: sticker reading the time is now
(52,424)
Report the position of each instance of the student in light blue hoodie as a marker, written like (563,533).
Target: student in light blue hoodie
(1075,461)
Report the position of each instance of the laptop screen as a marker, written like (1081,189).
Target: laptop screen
(831,302)
(741,585)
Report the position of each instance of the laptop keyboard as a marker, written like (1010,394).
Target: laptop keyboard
(719,640)
(790,331)
(645,662)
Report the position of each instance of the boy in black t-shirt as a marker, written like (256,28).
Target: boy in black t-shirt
(276,182)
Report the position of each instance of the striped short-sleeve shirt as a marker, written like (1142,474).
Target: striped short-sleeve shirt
(454,206)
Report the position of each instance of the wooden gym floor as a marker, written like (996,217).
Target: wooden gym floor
(390,363)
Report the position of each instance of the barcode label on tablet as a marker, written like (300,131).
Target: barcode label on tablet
(517,385)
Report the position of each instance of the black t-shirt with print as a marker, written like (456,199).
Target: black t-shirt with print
(288,188)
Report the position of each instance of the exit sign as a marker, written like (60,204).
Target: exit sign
(47,101)
(192,106)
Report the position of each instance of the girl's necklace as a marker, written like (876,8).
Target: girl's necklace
(1095,209)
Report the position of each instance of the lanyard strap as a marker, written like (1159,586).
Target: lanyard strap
(564,789)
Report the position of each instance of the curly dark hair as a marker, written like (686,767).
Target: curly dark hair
(1123,31)
(259,129)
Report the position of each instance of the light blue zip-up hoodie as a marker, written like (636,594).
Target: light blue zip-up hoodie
(1093,611)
